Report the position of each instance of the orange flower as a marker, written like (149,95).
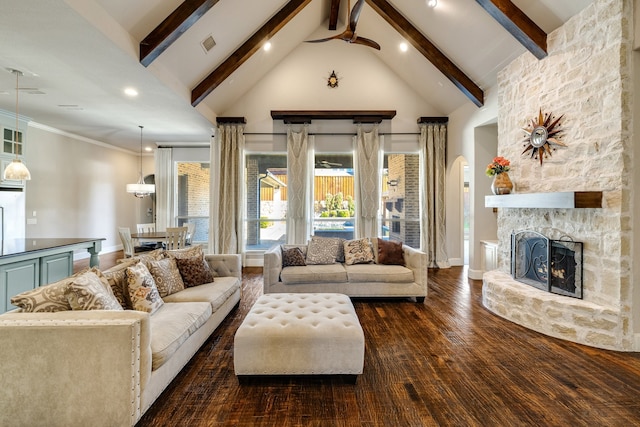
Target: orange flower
(498,166)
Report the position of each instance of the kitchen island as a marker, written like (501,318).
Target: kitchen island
(28,263)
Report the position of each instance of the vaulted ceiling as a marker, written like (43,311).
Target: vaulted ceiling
(79,55)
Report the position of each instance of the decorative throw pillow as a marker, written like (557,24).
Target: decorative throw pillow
(166,275)
(322,250)
(190,252)
(292,257)
(117,278)
(194,271)
(91,291)
(142,289)
(390,252)
(48,298)
(358,252)
(145,257)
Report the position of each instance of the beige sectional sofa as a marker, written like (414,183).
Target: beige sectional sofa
(106,367)
(371,279)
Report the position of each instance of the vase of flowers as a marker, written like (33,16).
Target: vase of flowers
(498,169)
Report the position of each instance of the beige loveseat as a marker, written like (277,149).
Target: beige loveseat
(357,280)
(106,368)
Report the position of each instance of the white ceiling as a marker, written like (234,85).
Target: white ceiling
(81,54)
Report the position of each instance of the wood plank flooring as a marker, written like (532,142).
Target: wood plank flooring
(447,362)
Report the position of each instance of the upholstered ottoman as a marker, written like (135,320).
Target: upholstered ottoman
(300,334)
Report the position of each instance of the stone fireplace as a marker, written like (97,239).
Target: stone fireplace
(588,77)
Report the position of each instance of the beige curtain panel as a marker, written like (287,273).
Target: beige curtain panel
(299,185)
(367,185)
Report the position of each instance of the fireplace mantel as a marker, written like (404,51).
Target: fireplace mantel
(558,200)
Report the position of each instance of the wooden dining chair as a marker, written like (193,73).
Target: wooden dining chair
(128,247)
(176,237)
(149,227)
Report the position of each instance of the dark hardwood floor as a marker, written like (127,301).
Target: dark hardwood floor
(447,362)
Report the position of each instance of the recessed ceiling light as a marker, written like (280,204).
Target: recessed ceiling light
(129,91)
(267,46)
(432,3)
(148,149)
(404,47)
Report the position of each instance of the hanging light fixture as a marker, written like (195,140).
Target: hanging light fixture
(140,189)
(16,169)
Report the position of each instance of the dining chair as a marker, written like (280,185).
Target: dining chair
(149,227)
(176,237)
(127,243)
(191,229)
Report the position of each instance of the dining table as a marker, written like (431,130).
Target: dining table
(150,237)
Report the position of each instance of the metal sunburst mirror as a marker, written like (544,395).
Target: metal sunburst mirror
(543,135)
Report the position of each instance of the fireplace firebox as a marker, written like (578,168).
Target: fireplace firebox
(550,265)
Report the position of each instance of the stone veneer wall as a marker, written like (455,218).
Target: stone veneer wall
(587,77)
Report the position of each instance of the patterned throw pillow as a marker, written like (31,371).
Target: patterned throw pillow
(117,278)
(194,271)
(91,291)
(358,252)
(48,298)
(191,252)
(145,257)
(322,250)
(166,275)
(292,257)
(390,252)
(142,289)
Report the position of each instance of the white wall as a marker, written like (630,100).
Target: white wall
(472,135)
(77,187)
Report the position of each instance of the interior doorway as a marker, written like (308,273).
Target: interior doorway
(466,209)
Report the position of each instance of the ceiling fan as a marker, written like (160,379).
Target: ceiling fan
(326,164)
(349,34)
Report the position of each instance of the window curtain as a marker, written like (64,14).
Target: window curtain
(164,188)
(433,139)
(227,157)
(367,161)
(299,185)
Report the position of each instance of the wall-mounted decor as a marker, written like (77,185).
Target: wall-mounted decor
(332,81)
(542,135)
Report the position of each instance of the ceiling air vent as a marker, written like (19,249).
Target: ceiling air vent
(208,43)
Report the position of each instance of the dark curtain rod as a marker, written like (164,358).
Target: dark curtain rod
(328,133)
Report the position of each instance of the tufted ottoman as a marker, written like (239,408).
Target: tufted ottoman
(300,334)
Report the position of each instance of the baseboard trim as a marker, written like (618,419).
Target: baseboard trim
(475,274)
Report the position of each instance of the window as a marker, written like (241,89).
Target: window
(193,198)
(400,204)
(333,202)
(12,142)
(266,205)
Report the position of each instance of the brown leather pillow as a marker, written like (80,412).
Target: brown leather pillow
(390,252)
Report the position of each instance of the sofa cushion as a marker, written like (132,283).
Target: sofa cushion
(390,252)
(293,257)
(166,275)
(142,289)
(329,273)
(171,325)
(215,293)
(91,291)
(358,252)
(322,250)
(379,273)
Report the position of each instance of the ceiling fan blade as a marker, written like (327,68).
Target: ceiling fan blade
(355,14)
(336,37)
(366,42)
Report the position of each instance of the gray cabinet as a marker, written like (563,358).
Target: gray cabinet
(15,278)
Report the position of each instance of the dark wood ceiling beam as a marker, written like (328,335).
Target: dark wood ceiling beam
(176,24)
(333,14)
(518,25)
(429,50)
(244,52)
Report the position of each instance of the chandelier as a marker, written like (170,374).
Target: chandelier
(140,189)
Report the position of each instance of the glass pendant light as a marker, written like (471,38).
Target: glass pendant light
(140,189)
(16,170)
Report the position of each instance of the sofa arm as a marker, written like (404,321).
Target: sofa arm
(225,265)
(73,367)
(272,267)
(416,261)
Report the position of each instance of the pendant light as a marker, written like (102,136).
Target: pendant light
(140,189)
(16,169)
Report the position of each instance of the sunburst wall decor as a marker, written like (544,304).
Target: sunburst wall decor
(542,136)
